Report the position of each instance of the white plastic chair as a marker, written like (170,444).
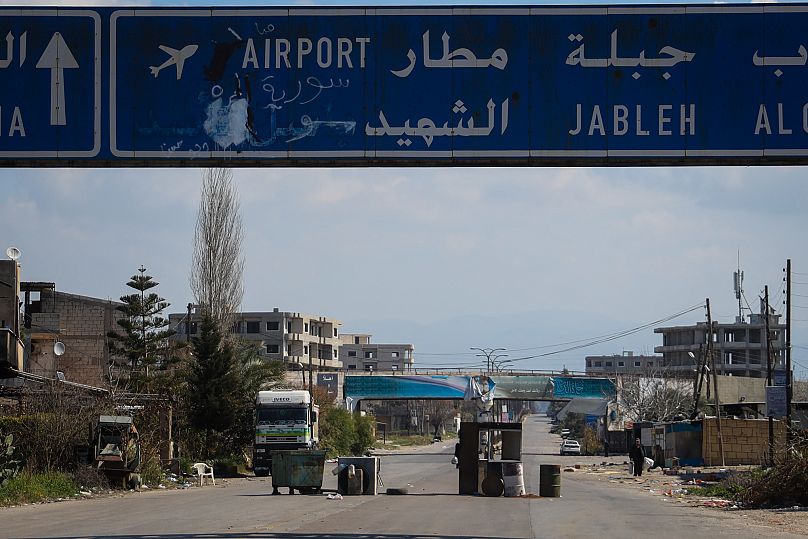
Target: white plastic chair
(204,470)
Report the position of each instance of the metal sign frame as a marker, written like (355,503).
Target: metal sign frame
(666,54)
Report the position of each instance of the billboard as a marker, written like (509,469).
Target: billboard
(408,86)
(521,387)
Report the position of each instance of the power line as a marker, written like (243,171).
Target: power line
(608,338)
(580,343)
(616,334)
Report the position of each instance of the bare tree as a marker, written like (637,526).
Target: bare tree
(439,413)
(655,396)
(218,263)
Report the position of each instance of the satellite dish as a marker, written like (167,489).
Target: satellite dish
(58,348)
(13,253)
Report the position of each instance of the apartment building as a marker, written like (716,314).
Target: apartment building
(740,347)
(626,363)
(291,337)
(358,353)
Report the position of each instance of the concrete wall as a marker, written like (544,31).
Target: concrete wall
(737,389)
(82,324)
(746,441)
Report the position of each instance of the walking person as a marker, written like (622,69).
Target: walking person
(637,456)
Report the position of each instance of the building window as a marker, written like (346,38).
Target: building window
(356,340)
(272,326)
(335,353)
(608,363)
(368,355)
(637,364)
(305,328)
(393,367)
(335,332)
(288,349)
(394,354)
(253,327)
(598,364)
(305,350)
(194,328)
(273,349)
(288,327)
(370,367)
(351,367)
(621,363)
(351,353)
(588,362)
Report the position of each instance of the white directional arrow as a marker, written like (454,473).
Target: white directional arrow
(57,57)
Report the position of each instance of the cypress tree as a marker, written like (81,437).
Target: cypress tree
(212,383)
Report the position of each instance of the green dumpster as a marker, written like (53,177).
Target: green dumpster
(301,470)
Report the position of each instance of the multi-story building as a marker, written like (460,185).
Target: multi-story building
(357,353)
(297,339)
(627,363)
(11,352)
(740,347)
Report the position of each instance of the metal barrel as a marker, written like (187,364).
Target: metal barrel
(513,479)
(550,480)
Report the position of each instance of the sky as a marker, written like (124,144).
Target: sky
(445,259)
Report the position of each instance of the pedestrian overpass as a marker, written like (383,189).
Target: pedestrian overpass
(526,387)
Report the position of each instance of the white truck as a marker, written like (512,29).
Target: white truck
(284,420)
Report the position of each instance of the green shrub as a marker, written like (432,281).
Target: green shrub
(342,433)
(10,463)
(11,424)
(35,487)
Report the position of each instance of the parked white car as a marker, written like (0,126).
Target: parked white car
(570,447)
(565,433)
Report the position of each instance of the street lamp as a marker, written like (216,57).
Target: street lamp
(499,364)
(488,353)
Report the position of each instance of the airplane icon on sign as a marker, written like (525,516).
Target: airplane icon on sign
(176,57)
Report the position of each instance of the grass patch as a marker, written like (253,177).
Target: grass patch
(36,487)
(719,490)
(404,440)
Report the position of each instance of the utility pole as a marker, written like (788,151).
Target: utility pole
(789,389)
(711,354)
(769,374)
(188,323)
(699,381)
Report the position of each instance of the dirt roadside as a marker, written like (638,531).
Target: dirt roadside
(672,488)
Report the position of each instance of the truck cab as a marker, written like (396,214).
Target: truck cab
(284,420)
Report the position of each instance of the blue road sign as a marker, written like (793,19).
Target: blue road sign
(701,84)
(50,71)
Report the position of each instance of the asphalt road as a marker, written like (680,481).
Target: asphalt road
(432,509)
